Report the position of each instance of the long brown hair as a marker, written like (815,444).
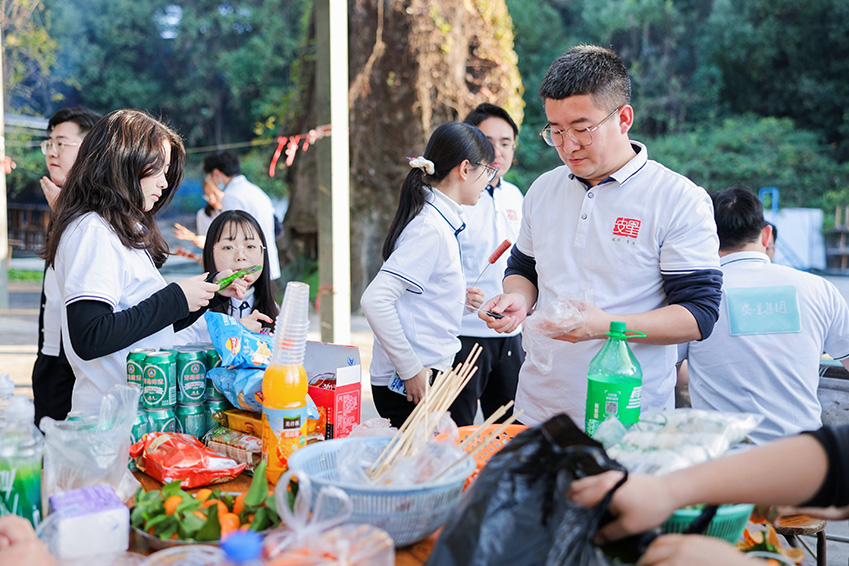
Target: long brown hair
(122,148)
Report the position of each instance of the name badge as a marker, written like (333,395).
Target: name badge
(763,310)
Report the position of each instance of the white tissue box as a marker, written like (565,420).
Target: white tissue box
(85,515)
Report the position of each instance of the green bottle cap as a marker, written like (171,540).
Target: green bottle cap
(617,326)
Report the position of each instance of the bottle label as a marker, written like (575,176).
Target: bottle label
(20,488)
(612,395)
(284,432)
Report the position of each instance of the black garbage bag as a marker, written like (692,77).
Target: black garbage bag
(516,512)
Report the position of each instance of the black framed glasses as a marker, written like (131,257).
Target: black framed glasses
(581,136)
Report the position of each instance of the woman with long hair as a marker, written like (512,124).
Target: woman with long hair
(106,249)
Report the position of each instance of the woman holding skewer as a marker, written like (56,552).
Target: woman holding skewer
(415,303)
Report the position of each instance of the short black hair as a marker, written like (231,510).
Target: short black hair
(485,110)
(739,217)
(225,161)
(79,115)
(589,70)
(774,230)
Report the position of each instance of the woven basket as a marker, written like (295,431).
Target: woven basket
(727,524)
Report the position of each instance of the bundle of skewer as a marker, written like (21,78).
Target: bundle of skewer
(420,426)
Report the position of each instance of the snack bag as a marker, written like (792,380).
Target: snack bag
(243,388)
(237,346)
(170,456)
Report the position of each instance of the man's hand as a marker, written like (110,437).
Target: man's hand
(474,297)
(512,305)
(598,323)
(692,550)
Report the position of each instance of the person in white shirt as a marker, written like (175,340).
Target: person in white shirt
(496,217)
(52,375)
(224,170)
(775,321)
(415,302)
(639,235)
(106,248)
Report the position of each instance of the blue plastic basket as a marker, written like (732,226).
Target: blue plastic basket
(408,514)
(727,524)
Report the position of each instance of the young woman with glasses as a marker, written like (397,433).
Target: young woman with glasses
(235,241)
(106,249)
(415,303)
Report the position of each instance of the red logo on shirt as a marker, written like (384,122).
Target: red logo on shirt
(629,227)
(511,215)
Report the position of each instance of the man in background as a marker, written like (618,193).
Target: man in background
(763,356)
(52,376)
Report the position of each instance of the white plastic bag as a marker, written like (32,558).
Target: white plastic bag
(563,315)
(94,449)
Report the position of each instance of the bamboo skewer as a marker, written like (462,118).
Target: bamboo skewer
(492,418)
(437,399)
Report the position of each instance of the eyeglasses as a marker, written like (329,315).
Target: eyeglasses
(248,250)
(581,136)
(57,147)
(491,171)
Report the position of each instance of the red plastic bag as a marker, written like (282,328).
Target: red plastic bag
(170,456)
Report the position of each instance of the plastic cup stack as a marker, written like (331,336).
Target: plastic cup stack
(293,323)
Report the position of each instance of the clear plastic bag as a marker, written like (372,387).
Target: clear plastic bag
(665,441)
(93,449)
(554,319)
(314,534)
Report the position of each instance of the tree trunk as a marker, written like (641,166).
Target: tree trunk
(413,65)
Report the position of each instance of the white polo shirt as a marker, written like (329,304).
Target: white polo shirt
(241,194)
(492,220)
(92,264)
(427,258)
(616,238)
(198,332)
(763,368)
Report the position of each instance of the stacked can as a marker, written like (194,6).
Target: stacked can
(160,391)
(215,401)
(191,389)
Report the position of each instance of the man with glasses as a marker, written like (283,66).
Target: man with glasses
(224,170)
(496,217)
(639,235)
(52,376)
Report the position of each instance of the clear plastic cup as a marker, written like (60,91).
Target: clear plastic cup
(293,323)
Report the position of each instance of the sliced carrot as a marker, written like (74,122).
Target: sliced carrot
(171,503)
(203,494)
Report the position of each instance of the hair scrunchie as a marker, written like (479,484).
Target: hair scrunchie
(425,165)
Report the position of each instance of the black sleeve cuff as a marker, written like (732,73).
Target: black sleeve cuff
(189,320)
(700,292)
(96,331)
(835,488)
(521,264)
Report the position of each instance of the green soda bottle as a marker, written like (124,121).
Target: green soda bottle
(21,451)
(614,381)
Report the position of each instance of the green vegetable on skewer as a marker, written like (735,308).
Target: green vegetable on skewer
(224,283)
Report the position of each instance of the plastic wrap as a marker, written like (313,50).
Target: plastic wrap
(554,319)
(169,456)
(314,534)
(92,449)
(665,441)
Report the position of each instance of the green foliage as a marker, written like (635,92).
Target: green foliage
(25,275)
(758,152)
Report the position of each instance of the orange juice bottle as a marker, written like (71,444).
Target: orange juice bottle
(284,414)
(284,384)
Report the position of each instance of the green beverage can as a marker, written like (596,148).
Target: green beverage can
(191,419)
(141,426)
(160,380)
(212,408)
(135,367)
(213,360)
(191,375)
(162,420)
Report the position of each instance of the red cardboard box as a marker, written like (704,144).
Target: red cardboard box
(335,378)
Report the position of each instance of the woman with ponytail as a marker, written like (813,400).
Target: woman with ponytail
(415,303)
